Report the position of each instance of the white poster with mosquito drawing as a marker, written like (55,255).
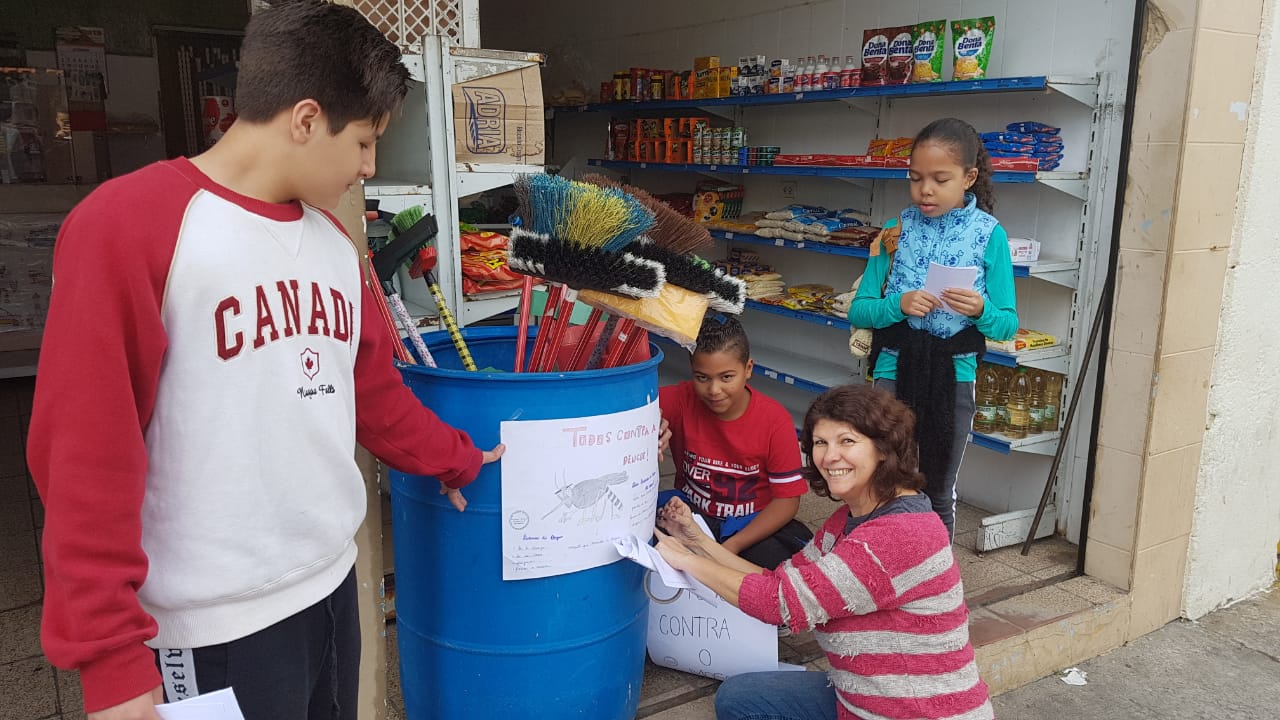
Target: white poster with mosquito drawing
(571,486)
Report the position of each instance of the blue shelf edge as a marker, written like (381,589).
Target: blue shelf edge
(872,173)
(814,246)
(995,357)
(1028,83)
(804,315)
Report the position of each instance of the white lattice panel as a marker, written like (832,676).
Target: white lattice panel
(406,22)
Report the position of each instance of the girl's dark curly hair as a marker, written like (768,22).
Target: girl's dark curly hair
(967,148)
(879,416)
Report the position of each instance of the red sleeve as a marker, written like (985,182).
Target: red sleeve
(392,423)
(671,405)
(95,391)
(784,466)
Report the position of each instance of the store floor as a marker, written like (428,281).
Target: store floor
(1007,594)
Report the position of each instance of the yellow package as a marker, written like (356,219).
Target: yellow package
(676,313)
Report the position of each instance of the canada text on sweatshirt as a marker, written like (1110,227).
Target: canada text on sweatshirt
(208,364)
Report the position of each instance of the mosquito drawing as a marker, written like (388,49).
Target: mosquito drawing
(589,495)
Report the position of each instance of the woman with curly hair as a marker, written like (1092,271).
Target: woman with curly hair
(878,584)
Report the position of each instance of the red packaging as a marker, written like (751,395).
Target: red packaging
(901,58)
(875,56)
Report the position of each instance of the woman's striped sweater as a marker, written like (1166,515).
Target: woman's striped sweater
(887,606)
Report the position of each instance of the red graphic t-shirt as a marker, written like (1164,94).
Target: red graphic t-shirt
(734,468)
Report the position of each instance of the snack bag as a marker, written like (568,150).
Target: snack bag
(930,37)
(973,40)
(875,57)
(901,55)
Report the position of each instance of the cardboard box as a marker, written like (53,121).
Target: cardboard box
(500,118)
(706,62)
(1024,250)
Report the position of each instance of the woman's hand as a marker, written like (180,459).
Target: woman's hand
(664,438)
(677,519)
(676,553)
(964,301)
(918,303)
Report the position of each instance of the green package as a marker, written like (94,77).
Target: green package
(973,39)
(929,40)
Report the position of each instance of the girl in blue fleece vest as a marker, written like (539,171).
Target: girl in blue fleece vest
(926,348)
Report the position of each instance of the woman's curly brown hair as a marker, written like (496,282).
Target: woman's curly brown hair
(879,416)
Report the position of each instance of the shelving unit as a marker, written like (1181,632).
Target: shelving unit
(1071,183)
(1052,291)
(1081,89)
(417,165)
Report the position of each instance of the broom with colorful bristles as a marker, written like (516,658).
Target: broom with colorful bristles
(673,242)
(573,235)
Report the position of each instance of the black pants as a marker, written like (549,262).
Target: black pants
(305,667)
(770,552)
(942,490)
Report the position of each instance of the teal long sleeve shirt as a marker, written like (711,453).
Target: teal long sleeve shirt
(999,319)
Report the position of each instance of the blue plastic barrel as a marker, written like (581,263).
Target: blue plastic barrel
(471,645)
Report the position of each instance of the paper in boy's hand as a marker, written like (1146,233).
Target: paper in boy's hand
(219,705)
(941,277)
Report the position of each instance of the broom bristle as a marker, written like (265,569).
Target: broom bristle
(585,215)
(584,268)
(406,218)
(521,189)
(725,293)
(671,229)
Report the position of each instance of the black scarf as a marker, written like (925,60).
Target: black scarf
(926,383)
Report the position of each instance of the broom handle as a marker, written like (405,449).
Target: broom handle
(450,324)
(397,347)
(629,346)
(626,328)
(406,323)
(522,333)
(597,353)
(545,324)
(562,322)
(580,351)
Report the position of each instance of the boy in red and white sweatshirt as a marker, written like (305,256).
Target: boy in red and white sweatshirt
(211,358)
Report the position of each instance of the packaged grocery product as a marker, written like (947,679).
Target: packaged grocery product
(1009,137)
(929,42)
(875,56)
(1030,127)
(901,55)
(850,74)
(973,40)
(1024,250)
(1024,340)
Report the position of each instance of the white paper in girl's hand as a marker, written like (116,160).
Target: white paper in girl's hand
(941,277)
(219,705)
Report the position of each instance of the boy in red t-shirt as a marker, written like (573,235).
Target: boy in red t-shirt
(735,450)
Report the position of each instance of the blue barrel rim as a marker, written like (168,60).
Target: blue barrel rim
(441,339)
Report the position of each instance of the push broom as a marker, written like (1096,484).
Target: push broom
(416,228)
(572,235)
(672,242)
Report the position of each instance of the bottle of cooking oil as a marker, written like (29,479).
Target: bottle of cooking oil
(1002,399)
(986,395)
(1052,400)
(1019,406)
(1036,405)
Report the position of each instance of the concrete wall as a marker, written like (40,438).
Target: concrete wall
(1237,505)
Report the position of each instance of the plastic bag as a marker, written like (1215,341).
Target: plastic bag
(676,313)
